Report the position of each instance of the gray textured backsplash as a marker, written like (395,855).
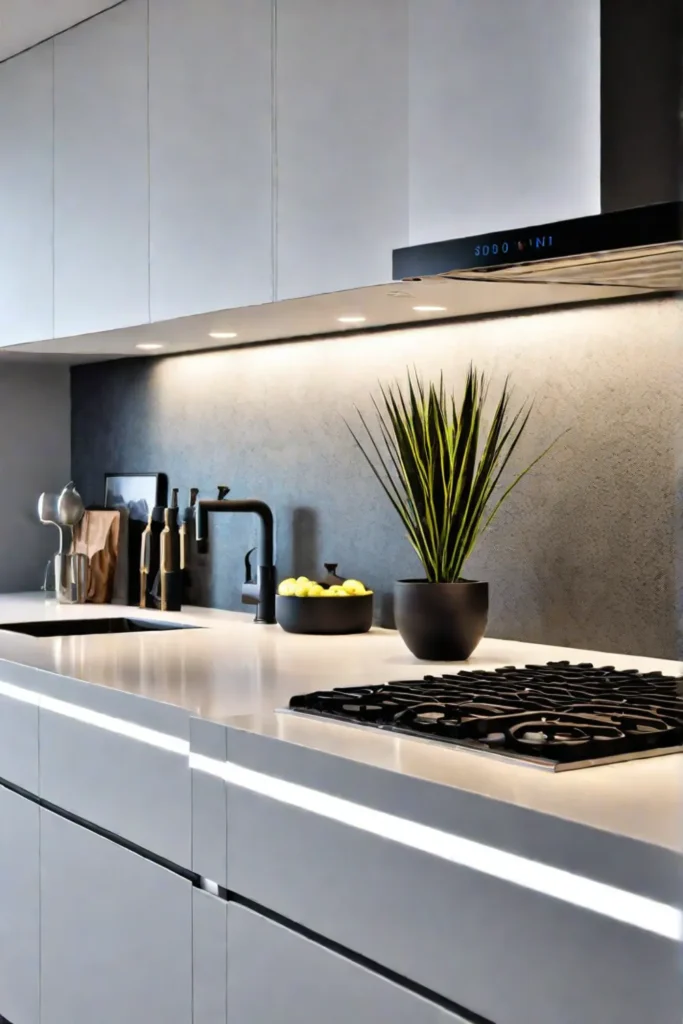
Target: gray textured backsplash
(584,553)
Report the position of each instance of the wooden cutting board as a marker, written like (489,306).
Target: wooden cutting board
(97,536)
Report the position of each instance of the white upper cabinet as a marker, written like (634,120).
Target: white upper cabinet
(101,173)
(342,162)
(26,197)
(210,110)
(504,114)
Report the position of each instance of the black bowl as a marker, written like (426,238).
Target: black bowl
(324,615)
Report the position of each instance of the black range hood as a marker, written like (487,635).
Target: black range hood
(640,249)
(636,242)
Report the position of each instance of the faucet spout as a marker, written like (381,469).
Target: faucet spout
(261,591)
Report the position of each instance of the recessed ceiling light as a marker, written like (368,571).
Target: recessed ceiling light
(351,319)
(149,346)
(429,309)
(222,334)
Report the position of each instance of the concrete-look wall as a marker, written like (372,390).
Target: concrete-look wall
(582,554)
(34,457)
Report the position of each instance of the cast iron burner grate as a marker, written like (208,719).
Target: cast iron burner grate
(557,715)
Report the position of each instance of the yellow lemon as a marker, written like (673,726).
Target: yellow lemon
(301,589)
(301,579)
(315,590)
(338,592)
(287,588)
(354,587)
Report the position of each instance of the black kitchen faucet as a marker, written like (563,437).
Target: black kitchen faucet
(260,591)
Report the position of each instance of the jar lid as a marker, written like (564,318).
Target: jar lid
(332,578)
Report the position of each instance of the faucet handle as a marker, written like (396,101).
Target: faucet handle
(223,490)
(248,577)
(251,590)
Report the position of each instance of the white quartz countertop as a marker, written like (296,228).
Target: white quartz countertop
(238,673)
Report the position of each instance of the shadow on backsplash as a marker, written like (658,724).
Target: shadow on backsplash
(583,553)
(305,558)
(206,582)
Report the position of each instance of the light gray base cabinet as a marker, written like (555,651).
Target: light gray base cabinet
(116,932)
(19,909)
(276,976)
(210,958)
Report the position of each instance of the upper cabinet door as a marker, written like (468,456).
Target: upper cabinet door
(504,114)
(342,161)
(210,76)
(26,197)
(101,173)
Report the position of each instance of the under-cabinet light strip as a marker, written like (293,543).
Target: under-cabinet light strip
(627,907)
(110,723)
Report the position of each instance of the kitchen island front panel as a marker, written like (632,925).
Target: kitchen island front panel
(126,786)
(209,803)
(515,950)
(310,778)
(19,743)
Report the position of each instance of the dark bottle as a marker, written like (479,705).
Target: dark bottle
(187,534)
(149,558)
(171,577)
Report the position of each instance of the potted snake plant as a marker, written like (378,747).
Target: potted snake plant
(441,470)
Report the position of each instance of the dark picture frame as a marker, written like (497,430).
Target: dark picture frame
(137,492)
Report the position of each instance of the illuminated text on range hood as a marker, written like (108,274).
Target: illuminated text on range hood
(640,249)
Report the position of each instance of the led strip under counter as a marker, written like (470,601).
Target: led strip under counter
(598,897)
(121,726)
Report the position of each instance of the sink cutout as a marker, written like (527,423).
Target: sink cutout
(89,627)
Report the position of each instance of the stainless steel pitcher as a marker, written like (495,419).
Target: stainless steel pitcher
(70,578)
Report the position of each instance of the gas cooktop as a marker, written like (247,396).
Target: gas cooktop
(557,716)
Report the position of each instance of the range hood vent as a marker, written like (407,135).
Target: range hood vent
(640,249)
(655,269)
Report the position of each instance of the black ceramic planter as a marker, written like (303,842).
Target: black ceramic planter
(441,621)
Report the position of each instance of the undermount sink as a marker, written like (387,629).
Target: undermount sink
(86,627)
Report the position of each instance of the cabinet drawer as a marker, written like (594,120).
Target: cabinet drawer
(209,958)
(308,983)
(19,909)
(127,786)
(19,743)
(116,932)
(461,933)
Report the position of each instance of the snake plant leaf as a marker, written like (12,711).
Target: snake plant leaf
(439,467)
